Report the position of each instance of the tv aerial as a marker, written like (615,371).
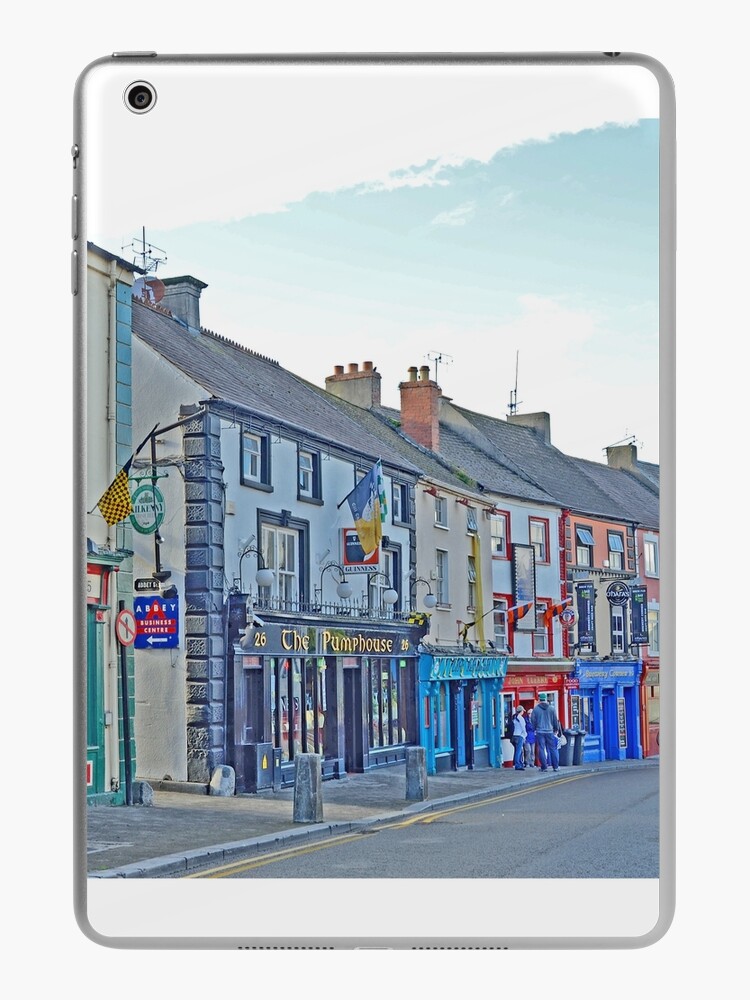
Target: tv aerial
(440,358)
(145,254)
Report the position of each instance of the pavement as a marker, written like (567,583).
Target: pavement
(183,831)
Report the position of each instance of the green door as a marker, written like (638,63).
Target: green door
(94,703)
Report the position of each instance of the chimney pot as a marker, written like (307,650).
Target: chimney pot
(367,366)
(424,373)
(353,368)
(413,374)
(338,370)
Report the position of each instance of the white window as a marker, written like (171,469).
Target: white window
(252,458)
(499,535)
(280,547)
(441,512)
(400,494)
(471,520)
(441,583)
(306,473)
(617,628)
(584,547)
(538,536)
(653,632)
(651,557)
(500,622)
(540,637)
(471,570)
(616,550)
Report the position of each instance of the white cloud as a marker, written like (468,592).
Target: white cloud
(458,216)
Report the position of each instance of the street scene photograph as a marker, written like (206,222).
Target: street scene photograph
(372,477)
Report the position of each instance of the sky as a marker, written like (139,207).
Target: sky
(501,227)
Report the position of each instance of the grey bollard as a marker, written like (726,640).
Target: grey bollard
(308,790)
(416,774)
(222,781)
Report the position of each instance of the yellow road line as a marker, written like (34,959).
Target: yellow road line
(238,867)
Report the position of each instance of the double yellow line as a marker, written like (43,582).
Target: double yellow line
(240,867)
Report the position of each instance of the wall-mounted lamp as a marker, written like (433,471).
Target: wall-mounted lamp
(343,588)
(389,596)
(264,577)
(429,600)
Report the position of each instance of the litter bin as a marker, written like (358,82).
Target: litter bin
(566,752)
(579,735)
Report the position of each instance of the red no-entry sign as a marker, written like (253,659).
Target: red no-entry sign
(125,627)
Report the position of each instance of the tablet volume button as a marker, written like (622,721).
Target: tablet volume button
(74,217)
(74,272)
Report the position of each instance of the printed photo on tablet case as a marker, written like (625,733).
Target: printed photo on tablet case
(372,492)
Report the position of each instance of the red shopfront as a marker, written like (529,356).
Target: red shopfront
(523,687)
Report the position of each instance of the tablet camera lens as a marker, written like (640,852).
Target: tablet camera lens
(140,97)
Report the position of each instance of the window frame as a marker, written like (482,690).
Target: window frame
(316,487)
(506,600)
(498,517)
(441,505)
(544,524)
(584,546)
(400,512)
(442,578)
(471,578)
(542,604)
(472,524)
(616,610)
(618,553)
(651,544)
(263,481)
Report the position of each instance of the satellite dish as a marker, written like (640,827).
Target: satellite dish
(150,289)
(156,288)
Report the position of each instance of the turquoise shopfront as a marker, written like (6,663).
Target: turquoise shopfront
(460,710)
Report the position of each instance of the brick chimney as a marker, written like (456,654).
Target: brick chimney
(358,386)
(420,408)
(622,456)
(182,298)
(537,422)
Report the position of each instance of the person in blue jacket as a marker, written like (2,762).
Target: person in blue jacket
(529,747)
(519,737)
(547,729)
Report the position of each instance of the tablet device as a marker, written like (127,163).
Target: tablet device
(375,500)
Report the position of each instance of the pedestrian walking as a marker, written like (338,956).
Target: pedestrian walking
(519,737)
(529,747)
(547,728)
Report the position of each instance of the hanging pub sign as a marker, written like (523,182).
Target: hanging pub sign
(524,584)
(353,558)
(639,615)
(585,598)
(148,509)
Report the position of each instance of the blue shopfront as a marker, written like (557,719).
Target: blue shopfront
(460,710)
(606,707)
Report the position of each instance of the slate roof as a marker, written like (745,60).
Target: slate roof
(550,469)
(238,376)
(627,490)
(480,465)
